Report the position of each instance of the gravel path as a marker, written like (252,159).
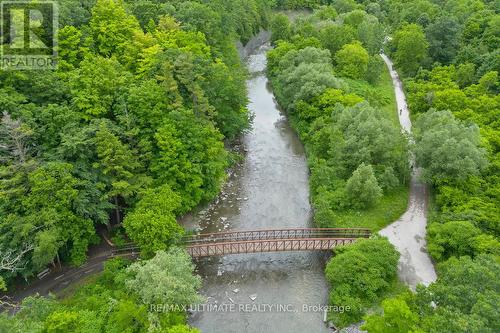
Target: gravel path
(408,233)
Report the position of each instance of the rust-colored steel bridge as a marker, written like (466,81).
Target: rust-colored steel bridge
(271,240)
(274,240)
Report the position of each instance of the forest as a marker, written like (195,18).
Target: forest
(127,134)
(129,130)
(326,72)
(133,131)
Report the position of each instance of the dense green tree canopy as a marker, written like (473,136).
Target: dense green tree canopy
(464,299)
(411,48)
(152,224)
(359,274)
(113,301)
(397,318)
(459,238)
(362,188)
(144,96)
(443,36)
(167,278)
(352,60)
(447,149)
(280,28)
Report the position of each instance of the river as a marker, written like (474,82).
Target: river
(269,189)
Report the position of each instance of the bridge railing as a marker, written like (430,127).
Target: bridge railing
(273,234)
(221,240)
(271,245)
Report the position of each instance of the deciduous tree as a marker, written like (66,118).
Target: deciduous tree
(280,28)
(362,189)
(358,274)
(411,48)
(168,279)
(352,60)
(152,224)
(447,149)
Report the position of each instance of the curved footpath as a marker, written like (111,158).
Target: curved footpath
(58,280)
(408,233)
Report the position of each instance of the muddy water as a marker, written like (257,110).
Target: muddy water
(268,190)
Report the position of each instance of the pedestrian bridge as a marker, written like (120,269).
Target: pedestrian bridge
(268,240)
(271,240)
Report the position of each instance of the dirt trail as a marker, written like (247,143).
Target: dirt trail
(58,280)
(408,233)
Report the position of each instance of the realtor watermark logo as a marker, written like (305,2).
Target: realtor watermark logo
(28,35)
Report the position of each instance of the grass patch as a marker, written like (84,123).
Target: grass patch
(385,85)
(381,95)
(390,208)
(67,294)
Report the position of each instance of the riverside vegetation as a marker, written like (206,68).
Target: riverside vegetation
(326,74)
(127,134)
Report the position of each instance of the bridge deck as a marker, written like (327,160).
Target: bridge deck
(270,240)
(268,245)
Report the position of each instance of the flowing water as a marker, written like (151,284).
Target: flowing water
(269,189)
